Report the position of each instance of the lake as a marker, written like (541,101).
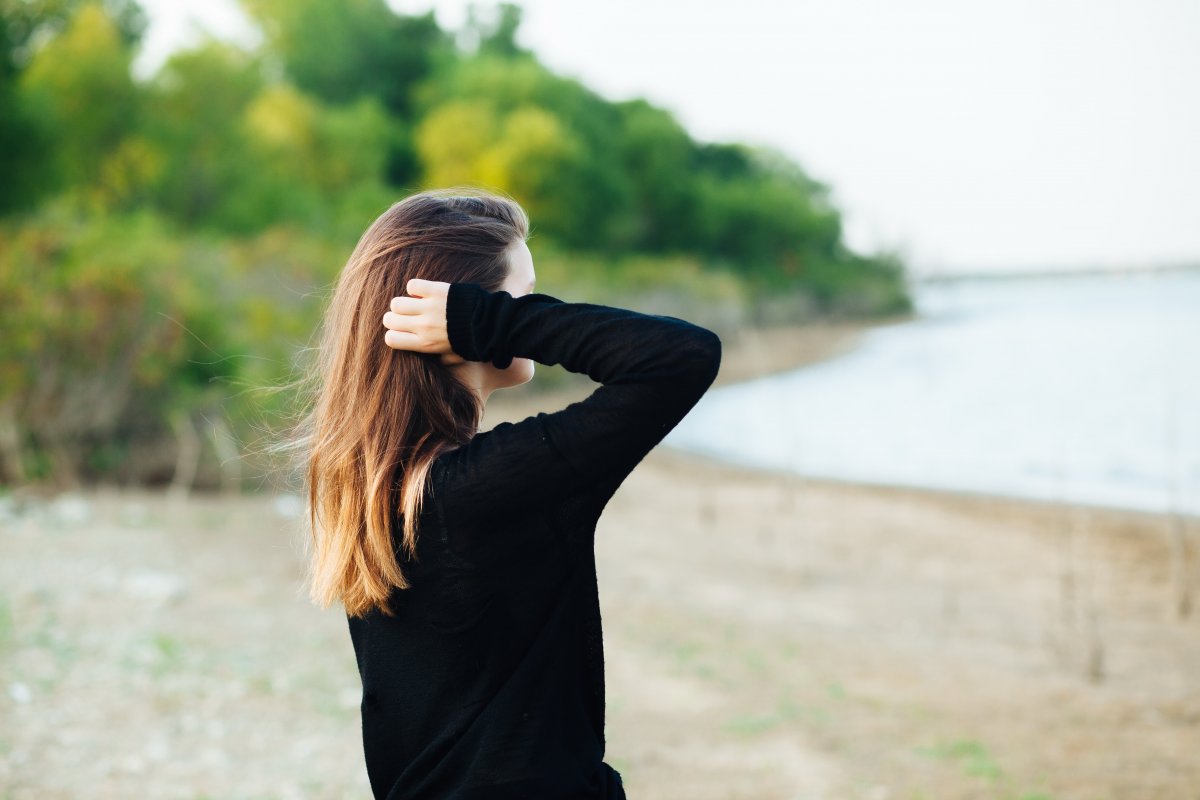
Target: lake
(1083,389)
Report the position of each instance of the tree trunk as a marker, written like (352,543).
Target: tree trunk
(12,465)
(188,460)
(228,455)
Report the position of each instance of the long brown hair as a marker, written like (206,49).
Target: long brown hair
(379,416)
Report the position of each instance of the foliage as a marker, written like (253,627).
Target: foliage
(120,322)
(343,51)
(165,243)
(547,140)
(90,337)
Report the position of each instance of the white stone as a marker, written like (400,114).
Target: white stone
(71,509)
(350,697)
(20,693)
(158,750)
(158,587)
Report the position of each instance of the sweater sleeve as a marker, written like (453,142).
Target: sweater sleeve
(652,370)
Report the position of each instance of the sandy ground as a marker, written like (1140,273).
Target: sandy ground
(766,636)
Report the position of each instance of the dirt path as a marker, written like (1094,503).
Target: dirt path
(808,639)
(766,638)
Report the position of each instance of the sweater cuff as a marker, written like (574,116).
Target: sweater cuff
(474,317)
(461,301)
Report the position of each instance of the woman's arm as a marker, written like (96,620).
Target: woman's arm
(652,370)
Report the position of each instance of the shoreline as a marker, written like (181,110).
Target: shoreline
(752,353)
(945,493)
(760,352)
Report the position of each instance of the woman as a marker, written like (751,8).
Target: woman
(465,559)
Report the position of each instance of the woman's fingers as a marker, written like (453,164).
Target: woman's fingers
(402,340)
(406,305)
(419,322)
(407,337)
(399,322)
(423,325)
(419,287)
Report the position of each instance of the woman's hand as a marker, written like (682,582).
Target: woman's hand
(418,322)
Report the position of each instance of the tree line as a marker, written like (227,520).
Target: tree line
(166,241)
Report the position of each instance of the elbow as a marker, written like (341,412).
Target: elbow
(705,358)
(714,357)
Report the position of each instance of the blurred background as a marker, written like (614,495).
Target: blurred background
(932,534)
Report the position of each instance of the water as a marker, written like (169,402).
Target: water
(1083,389)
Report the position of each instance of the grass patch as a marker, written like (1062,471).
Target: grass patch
(167,654)
(752,724)
(971,756)
(756,662)
(787,711)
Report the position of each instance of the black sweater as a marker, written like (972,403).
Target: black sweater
(489,680)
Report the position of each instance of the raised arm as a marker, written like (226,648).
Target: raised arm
(652,370)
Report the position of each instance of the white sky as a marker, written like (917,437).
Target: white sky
(999,135)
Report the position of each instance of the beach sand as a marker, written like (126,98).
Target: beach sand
(766,636)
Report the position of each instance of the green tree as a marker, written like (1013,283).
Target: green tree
(341,51)
(659,159)
(451,141)
(310,161)
(79,85)
(587,199)
(94,330)
(199,97)
(540,161)
(762,211)
(493,32)
(25,146)
(529,153)
(26,23)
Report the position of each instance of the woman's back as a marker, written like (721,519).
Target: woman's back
(488,681)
